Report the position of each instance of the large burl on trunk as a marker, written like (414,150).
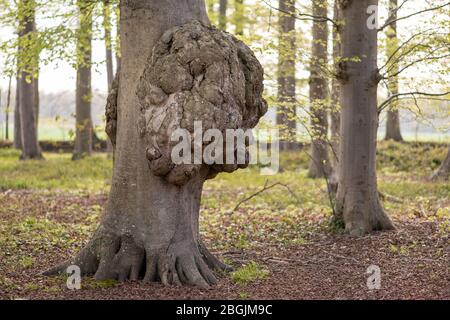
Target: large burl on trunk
(175,70)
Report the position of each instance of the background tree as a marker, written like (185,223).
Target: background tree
(239,17)
(335,91)
(286,113)
(319,92)
(17,130)
(393,117)
(28,86)
(357,199)
(84,127)
(443,172)
(150,227)
(223,14)
(8,107)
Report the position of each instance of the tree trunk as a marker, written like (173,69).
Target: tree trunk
(393,119)
(318,94)
(28,87)
(118,55)
(150,228)
(223,14)
(443,172)
(335,115)
(239,17)
(17,129)
(286,113)
(7,109)
(84,126)
(357,201)
(109,55)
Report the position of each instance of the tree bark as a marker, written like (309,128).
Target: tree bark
(7,109)
(319,94)
(84,126)
(393,131)
(223,14)
(335,114)
(17,129)
(443,172)
(286,112)
(150,228)
(28,87)
(357,200)
(335,89)
(108,54)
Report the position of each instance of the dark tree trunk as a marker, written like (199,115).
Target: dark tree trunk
(286,113)
(393,118)
(319,94)
(150,227)
(8,108)
(357,200)
(223,14)
(28,86)
(84,126)
(443,172)
(17,129)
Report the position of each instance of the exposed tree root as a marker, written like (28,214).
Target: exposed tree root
(121,258)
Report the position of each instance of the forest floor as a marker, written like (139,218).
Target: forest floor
(282,245)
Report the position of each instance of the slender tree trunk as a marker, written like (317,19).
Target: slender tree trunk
(393,118)
(286,113)
(357,200)
(108,43)
(109,55)
(118,55)
(239,17)
(335,90)
(17,129)
(150,228)
(319,94)
(8,107)
(223,14)
(28,87)
(335,114)
(443,172)
(84,126)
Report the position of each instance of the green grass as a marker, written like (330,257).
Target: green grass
(56,172)
(249,273)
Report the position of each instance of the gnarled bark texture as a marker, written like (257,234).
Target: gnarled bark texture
(175,70)
(443,172)
(318,94)
(286,113)
(357,201)
(393,115)
(84,127)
